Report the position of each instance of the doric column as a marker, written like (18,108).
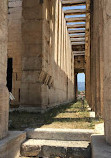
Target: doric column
(4,95)
(101,53)
(76,87)
(87,54)
(93,56)
(107,69)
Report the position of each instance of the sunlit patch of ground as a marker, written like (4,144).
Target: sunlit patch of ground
(72,116)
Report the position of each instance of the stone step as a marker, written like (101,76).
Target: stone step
(54,148)
(60,134)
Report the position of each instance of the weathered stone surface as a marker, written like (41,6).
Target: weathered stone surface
(10,146)
(107,70)
(97,57)
(52,151)
(88,54)
(60,134)
(56,148)
(15,45)
(4,111)
(80,152)
(30,150)
(79,64)
(4,96)
(45,50)
(100,149)
(99,128)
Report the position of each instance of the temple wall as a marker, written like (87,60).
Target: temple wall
(57,54)
(47,56)
(32,54)
(15,46)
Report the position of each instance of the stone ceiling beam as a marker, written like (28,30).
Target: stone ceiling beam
(77,35)
(78,19)
(75,12)
(76,26)
(73,2)
(77,39)
(78,52)
(76,31)
(78,43)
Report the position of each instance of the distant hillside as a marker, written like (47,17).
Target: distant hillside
(81,86)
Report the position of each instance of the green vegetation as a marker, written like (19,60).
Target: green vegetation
(79,92)
(65,116)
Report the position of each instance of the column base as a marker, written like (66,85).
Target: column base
(10,146)
(100,149)
(4,111)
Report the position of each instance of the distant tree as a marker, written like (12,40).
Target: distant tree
(79,92)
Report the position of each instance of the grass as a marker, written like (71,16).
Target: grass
(71,116)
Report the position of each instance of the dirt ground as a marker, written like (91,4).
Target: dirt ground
(72,116)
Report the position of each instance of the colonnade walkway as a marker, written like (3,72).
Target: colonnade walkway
(72,116)
(60,132)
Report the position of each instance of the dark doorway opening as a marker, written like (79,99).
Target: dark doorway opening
(9,74)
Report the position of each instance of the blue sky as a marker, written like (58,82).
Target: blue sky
(75,7)
(81,77)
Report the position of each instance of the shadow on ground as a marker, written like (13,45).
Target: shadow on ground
(65,116)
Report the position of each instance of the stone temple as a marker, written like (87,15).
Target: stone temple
(43,46)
